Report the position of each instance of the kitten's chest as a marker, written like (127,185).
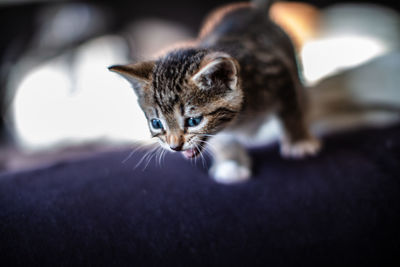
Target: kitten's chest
(249,128)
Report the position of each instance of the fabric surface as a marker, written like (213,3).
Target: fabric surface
(340,208)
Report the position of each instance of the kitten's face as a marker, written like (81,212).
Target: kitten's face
(187,97)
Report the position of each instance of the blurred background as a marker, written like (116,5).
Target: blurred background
(58,100)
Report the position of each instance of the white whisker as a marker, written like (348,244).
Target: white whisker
(201,156)
(146,155)
(160,156)
(137,147)
(151,157)
(209,135)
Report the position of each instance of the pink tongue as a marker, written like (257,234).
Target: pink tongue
(190,153)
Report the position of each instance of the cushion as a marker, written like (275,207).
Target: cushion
(339,208)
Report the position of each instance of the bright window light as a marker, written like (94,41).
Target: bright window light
(326,56)
(56,103)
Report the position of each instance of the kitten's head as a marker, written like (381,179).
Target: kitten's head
(186,96)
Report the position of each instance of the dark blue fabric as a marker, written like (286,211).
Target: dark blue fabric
(340,208)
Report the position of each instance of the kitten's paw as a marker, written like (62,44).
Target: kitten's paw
(230,172)
(300,149)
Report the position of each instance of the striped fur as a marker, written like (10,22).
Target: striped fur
(241,67)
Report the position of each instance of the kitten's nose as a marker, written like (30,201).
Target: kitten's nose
(176,147)
(175,142)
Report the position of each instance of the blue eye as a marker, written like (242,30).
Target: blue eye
(191,122)
(156,123)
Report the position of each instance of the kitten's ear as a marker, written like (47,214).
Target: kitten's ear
(217,69)
(138,74)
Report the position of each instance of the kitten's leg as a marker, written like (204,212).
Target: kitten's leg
(297,141)
(231,163)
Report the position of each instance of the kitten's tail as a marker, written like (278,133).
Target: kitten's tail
(263,5)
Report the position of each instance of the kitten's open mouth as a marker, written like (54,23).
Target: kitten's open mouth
(194,151)
(191,152)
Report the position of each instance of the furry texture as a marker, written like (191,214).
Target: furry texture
(241,69)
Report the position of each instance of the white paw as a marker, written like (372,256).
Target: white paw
(300,149)
(230,172)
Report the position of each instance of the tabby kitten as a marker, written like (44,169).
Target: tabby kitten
(241,69)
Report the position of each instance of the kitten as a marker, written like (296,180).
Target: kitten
(241,69)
